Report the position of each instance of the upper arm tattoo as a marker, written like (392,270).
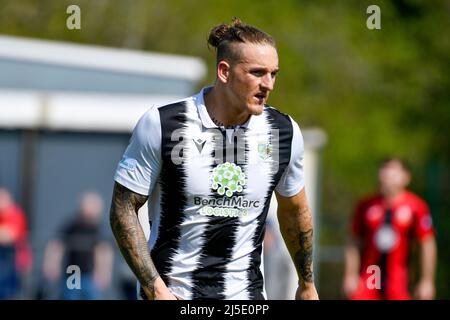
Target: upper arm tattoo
(129,235)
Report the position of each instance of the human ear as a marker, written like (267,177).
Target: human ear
(223,71)
(407,178)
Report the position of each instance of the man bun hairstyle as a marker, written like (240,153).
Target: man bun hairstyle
(224,37)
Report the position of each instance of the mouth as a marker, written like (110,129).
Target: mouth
(260,97)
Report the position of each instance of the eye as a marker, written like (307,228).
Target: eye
(258,73)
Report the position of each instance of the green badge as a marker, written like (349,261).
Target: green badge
(264,150)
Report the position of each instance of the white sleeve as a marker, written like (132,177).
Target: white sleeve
(292,181)
(141,163)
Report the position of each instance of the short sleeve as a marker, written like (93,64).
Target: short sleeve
(423,223)
(139,167)
(292,181)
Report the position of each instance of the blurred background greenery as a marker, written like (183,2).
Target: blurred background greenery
(374,92)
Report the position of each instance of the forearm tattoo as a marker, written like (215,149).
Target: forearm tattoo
(298,234)
(129,235)
(303,257)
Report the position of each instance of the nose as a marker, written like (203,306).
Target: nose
(267,82)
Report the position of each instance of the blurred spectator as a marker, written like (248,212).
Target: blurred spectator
(15,253)
(126,281)
(80,243)
(383,227)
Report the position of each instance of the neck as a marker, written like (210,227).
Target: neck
(221,110)
(392,195)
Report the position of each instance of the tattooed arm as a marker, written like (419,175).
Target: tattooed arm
(132,243)
(296,227)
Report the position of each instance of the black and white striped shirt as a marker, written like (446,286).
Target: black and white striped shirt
(209,193)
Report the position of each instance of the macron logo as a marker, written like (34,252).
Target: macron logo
(199,143)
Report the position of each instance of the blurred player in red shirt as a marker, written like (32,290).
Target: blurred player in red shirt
(15,253)
(383,228)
